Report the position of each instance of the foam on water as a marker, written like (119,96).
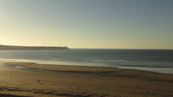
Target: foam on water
(151,60)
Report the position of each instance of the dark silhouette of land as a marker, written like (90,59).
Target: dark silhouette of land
(9,47)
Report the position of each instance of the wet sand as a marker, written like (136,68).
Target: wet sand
(38,80)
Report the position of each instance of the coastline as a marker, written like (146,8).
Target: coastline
(81,81)
(165,70)
(149,60)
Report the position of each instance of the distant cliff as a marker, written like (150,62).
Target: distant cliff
(9,47)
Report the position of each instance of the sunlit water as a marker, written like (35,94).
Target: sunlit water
(151,60)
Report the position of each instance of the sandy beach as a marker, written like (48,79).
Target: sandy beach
(24,79)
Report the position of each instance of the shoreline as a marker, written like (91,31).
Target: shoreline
(82,81)
(36,67)
(50,67)
(160,70)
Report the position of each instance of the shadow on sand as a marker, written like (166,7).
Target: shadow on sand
(47,92)
(7,95)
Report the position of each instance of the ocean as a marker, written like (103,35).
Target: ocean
(160,61)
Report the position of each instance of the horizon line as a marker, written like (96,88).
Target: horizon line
(126,48)
(93,48)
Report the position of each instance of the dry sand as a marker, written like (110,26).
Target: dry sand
(78,81)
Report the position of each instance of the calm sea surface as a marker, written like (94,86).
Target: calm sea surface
(150,60)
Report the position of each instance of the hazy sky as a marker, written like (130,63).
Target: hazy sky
(88,23)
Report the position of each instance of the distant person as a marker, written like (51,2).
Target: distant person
(38,81)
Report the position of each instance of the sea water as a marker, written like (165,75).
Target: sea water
(150,60)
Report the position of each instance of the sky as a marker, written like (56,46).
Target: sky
(127,24)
